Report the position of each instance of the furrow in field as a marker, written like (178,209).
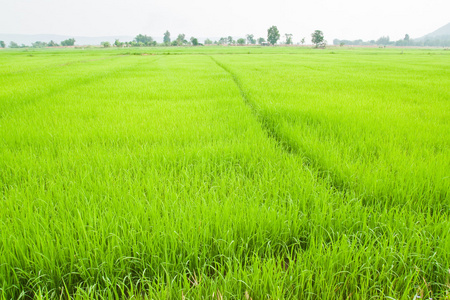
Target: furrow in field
(270,126)
(265,123)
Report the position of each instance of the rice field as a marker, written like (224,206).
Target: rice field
(225,173)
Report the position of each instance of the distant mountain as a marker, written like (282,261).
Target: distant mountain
(442,33)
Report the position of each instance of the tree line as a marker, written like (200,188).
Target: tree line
(39,44)
(273,37)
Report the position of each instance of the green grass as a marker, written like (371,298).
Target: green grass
(224,173)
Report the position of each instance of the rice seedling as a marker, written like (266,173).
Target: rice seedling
(284,173)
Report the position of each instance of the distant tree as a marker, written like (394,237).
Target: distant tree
(106,44)
(384,40)
(230,40)
(317,38)
(406,39)
(13,45)
(68,42)
(174,43)
(354,42)
(273,35)
(302,41)
(181,39)
(288,38)
(222,41)
(194,41)
(261,40)
(117,43)
(251,39)
(241,41)
(166,37)
(39,44)
(208,42)
(52,44)
(144,39)
(2,44)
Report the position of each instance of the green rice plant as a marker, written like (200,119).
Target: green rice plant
(181,176)
(376,125)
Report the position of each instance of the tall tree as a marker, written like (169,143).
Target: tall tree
(194,41)
(39,44)
(167,37)
(144,39)
(2,44)
(317,38)
(288,38)
(181,39)
(251,39)
(13,45)
(384,40)
(230,40)
(273,35)
(68,42)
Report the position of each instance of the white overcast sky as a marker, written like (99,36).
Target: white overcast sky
(344,19)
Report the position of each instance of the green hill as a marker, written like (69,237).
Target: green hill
(442,33)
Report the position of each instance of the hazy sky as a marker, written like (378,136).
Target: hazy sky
(349,19)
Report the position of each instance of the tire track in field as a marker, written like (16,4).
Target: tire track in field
(270,127)
(69,85)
